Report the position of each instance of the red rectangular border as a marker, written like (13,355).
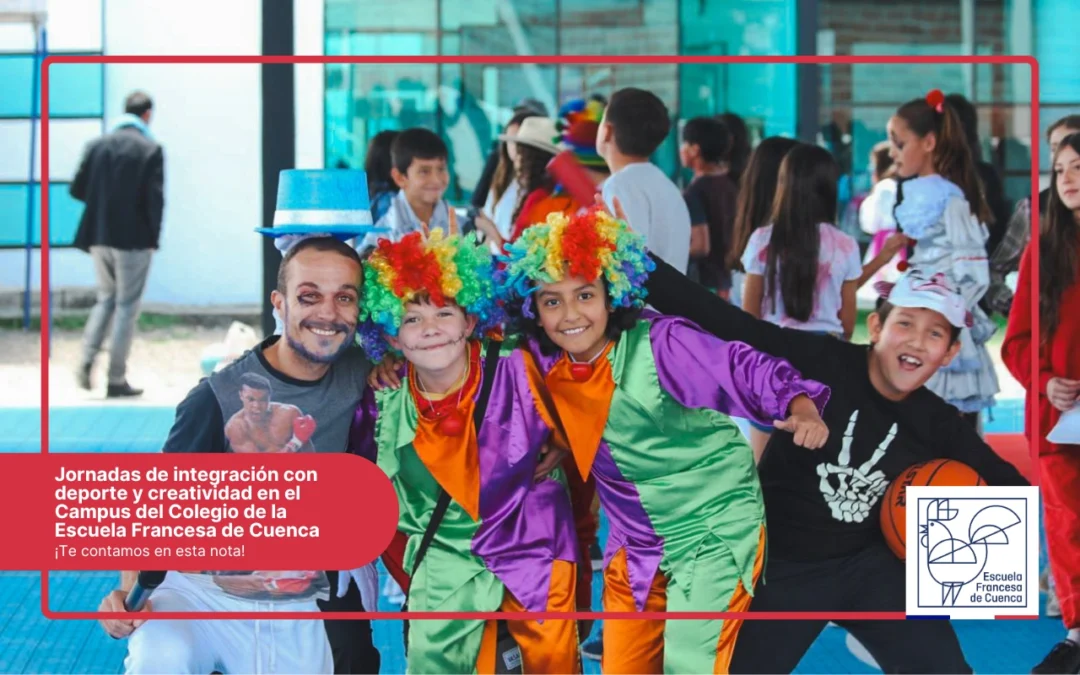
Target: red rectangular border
(508,60)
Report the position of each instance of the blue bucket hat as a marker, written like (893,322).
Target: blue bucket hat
(322,202)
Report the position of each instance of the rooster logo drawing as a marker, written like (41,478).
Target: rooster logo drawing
(954,562)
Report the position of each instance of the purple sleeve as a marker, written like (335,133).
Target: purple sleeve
(544,362)
(702,371)
(362,430)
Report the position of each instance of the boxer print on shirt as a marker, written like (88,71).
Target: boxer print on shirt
(265,411)
(265,425)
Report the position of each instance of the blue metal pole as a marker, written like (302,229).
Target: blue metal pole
(48,279)
(34,86)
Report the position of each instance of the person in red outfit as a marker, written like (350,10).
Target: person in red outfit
(1058,386)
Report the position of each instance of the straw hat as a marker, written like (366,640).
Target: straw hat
(536,132)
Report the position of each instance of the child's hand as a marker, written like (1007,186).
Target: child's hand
(1062,393)
(453,221)
(619,214)
(805,423)
(551,455)
(896,243)
(384,375)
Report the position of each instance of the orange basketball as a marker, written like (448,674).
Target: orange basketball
(894,506)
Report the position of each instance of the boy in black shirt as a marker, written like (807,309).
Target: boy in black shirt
(826,549)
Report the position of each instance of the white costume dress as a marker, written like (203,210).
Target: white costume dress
(876,219)
(952,240)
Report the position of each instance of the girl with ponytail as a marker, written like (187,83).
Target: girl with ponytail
(941,207)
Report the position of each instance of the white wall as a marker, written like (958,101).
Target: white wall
(208,118)
(308,40)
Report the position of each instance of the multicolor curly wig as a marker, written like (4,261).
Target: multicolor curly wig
(579,123)
(590,245)
(443,269)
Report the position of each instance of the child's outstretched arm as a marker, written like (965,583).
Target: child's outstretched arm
(701,371)
(955,438)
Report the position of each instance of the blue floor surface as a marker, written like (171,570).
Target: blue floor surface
(31,644)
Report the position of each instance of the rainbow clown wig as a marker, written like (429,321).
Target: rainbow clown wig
(591,244)
(579,123)
(443,269)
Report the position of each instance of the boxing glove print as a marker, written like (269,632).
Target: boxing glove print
(303,428)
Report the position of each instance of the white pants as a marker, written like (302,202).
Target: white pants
(227,646)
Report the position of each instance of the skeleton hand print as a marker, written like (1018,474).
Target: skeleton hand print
(850,491)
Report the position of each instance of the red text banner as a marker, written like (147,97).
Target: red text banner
(231,512)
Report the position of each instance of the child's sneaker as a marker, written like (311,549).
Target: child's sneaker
(1063,658)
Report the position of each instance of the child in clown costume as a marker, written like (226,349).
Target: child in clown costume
(507,540)
(645,402)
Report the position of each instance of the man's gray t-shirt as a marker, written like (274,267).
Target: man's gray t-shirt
(250,407)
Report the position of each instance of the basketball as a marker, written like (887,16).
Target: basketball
(934,472)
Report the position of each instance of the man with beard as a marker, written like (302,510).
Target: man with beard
(316,368)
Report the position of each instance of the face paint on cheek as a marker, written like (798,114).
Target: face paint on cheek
(456,341)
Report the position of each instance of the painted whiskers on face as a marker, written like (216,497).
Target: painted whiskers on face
(435,341)
(456,341)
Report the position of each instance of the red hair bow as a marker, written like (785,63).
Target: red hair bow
(936,99)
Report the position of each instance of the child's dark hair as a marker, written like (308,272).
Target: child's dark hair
(883,308)
(620,320)
(639,120)
(416,143)
(805,197)
(757,189)
(969,122)
(739,152)
(378,161)
(504,171)
(532,175)
(1069,122)
(952,157)
(710,135)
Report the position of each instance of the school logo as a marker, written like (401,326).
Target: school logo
(973,552)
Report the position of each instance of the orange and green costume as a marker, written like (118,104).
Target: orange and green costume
(650,424)
(507,541)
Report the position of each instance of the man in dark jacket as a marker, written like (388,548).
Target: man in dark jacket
(120,179)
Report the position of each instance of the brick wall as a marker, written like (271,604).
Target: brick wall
(857,100)
(907,27)
(587,29)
